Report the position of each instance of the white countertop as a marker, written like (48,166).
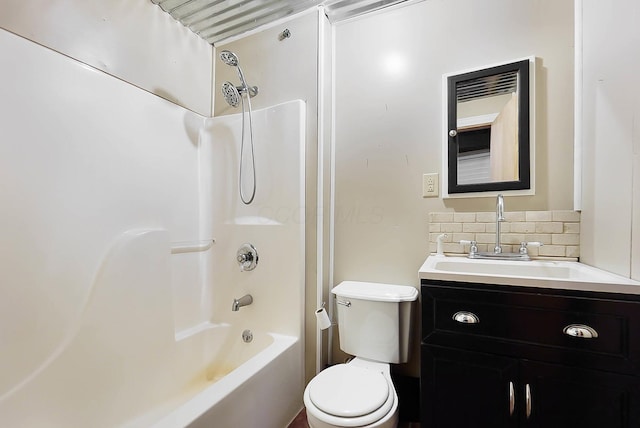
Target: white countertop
(566,275)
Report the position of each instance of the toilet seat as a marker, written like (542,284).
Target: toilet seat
(348,392)
(350,396)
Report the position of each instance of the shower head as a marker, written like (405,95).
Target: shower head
(229,58)
(231,94)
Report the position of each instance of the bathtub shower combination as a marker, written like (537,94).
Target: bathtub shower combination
(148,338)
(124,366)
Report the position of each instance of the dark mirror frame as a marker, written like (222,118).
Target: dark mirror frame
(524,83)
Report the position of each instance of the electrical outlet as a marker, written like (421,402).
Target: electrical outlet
(430,185)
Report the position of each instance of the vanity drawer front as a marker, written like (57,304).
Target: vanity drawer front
(534,325)
(511,321)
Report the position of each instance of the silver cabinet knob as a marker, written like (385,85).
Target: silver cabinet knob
(453,133)
(580,330)
(512,399)
(466,317)
(527,400)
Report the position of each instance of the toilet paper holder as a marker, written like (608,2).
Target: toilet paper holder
(323,318)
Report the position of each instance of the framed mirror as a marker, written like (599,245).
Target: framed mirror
(488,141)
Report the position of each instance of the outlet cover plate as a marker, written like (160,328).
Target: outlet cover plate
(430,185)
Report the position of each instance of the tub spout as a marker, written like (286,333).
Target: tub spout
(243,301)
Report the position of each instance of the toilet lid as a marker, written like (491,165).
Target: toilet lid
(347,391)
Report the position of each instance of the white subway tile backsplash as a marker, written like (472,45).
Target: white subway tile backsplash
(510,248)
(473,227)
(457,237)
(451,227)
(544,238)
(464,217)
(572,251)
(514,216)
(538,216)
(526,227)
(434,227)
(486,217)
(485,238)
(565,239)
(559,231)
(483,247)
(549,227)
(440,217)
(512,238)
(571,227)
(552,251)
(452,247)
(566,216)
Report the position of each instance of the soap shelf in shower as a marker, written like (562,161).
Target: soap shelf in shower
(191,246)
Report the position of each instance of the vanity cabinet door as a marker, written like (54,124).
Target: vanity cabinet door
(467,389)
(478,390)
(561,396)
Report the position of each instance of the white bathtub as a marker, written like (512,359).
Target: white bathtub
(209,379)
(123,366)
(230,383)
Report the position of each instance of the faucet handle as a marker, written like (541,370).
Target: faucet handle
(473,249)
(247,257)
(524,245)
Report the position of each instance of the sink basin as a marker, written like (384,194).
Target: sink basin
(535,273)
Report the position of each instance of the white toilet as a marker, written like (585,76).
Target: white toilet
(374,321)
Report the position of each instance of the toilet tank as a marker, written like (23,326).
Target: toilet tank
(374,320)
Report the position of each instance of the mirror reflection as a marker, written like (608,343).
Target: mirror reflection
(488,122)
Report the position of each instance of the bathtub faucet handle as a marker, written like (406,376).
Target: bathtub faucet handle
(247,257)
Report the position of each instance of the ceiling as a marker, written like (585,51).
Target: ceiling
(217,20)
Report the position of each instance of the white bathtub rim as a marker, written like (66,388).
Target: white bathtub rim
(187,412)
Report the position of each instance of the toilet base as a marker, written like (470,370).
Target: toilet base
(390,420)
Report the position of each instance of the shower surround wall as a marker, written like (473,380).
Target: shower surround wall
(611,140)
(99,181)
(274,222)
(285,70)
(132,40)
(85,159)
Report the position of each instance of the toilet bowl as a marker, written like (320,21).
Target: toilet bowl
(356,394)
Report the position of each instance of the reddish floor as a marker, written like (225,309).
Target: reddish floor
(301,422)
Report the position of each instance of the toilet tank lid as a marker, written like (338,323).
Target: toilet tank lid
(375,291)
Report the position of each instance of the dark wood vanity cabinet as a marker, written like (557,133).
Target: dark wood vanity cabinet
(518,366)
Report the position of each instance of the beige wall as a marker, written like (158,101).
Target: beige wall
(388,121)
(611,143)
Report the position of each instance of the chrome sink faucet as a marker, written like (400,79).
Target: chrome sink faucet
(243,301)
(499,219)
(497,253)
